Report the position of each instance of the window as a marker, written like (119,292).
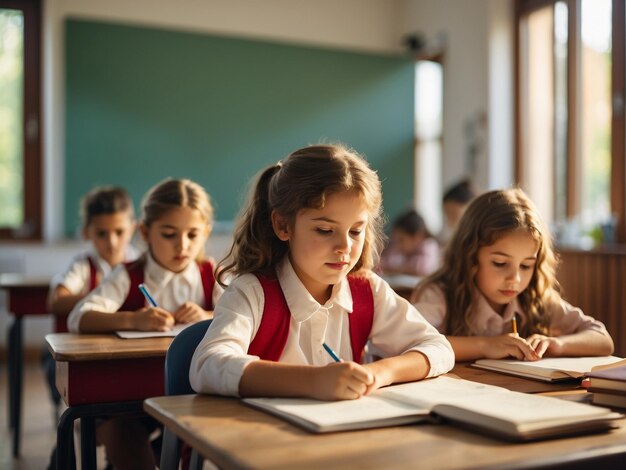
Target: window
(428,140)
(20,148)
(570,127)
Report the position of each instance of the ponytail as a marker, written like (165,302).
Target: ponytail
(255,245)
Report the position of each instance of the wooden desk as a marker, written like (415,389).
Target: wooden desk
(102,375)
(235,436)
(26,296)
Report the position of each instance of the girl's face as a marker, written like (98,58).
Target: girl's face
(110,235)
(505,268)
(325,244)
(176,238)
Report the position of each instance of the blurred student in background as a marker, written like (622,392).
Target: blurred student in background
(412,249)
(455,200)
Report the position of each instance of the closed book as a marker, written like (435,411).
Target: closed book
(486,408)
(610,378)
(617,400)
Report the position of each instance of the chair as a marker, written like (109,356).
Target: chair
(177,363)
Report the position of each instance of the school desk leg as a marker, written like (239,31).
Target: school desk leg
(65,441)
(15,382)
(88,442)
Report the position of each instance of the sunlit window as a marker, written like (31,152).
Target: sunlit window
(11,112)
(428,136)
(20,138)
(571,149)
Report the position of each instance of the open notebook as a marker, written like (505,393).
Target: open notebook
(554,369)
(132,334)
(493,410)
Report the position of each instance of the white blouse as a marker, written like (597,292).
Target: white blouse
(485,321)
(221,357)
(169,289)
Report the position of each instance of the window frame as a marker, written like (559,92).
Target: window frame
(31,228)
(618,92)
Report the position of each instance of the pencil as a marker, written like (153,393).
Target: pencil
(147,295)
(331,353)
(514,322)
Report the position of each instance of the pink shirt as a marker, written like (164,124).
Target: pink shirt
(564,318)
(421,263)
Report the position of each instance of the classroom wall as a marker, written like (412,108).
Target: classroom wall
(356,25)
(143,104)
(477,39)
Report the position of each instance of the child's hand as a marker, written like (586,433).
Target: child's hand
(545,345)
(190,312)
(510,345)
(341,381)
(152,319)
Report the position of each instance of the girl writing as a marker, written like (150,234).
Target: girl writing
(302,255)
(500,266)
(176,221)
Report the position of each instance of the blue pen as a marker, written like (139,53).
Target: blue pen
(147,295)
(331,352)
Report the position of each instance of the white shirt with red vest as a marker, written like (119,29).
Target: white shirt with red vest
(221,357)
(169,289)
(485,321)
(76,278)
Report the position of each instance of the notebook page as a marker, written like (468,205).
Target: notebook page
(479,400)
(152,334)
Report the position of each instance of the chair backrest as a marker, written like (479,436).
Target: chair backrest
(178,358)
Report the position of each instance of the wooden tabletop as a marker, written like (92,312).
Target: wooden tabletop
(235,436)
(84,347)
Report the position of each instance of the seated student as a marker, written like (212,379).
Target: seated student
(303,252)
(500,263)
(454,202)
(176,222)
(108,223)
(412,250)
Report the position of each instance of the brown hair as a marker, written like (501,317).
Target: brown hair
(302,180)
(488,218)
(104,200)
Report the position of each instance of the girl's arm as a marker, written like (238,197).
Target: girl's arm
(190,312)
(63,301)
(583,343)
(470,348)
(146,319)
(407,367)
(337,381)
(413,348)
(98,311)
(572,333)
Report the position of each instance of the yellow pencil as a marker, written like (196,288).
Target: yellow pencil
(514,322)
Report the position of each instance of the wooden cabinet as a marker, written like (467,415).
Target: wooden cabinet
(595,281)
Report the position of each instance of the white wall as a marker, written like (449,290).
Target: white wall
(477,44)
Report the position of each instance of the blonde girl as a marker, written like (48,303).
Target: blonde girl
(301,259)
(500,265)
(176,221)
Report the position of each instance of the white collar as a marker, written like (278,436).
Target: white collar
(301,303)
(161,276)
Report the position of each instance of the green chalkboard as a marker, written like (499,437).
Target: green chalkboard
(143,104)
